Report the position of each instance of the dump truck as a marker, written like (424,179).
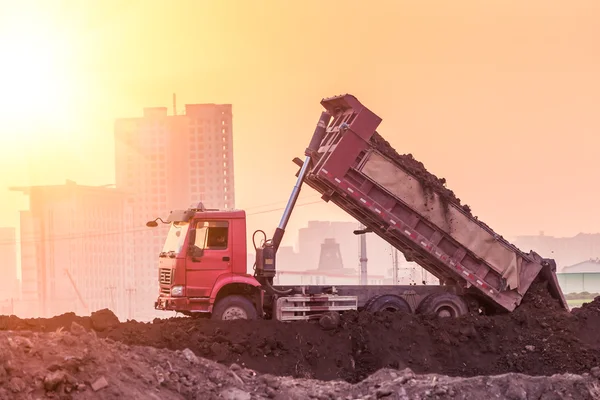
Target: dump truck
(202,269)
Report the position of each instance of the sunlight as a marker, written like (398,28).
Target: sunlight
(36,80)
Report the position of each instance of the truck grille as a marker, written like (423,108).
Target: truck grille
(165,276)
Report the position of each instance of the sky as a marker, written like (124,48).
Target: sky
(498,97)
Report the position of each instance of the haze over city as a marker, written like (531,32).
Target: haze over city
(497,99)
(391,199)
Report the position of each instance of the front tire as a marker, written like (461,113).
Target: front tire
(234,307)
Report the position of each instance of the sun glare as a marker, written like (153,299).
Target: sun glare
(36,81)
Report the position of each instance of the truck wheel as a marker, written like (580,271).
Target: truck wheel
(234,307)
(443,305)
(387,302)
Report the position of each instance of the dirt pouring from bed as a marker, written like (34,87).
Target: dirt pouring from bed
(366,355)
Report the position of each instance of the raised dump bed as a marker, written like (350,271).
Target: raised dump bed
(396,198)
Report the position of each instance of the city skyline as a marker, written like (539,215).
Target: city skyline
(166,161)
(67,260)
(437,96)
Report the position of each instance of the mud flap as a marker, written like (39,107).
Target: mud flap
(549,274)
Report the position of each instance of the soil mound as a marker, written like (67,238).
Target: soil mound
(538,338)
(75,364)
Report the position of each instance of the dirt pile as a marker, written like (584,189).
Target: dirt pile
(416,168)
(537,339)
(75,364)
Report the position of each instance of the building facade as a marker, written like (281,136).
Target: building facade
(9,285)
(581,277)
(75,250)
(166,162)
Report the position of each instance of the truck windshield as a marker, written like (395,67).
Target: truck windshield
(176,237)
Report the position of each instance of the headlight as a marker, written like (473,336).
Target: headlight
(177,291)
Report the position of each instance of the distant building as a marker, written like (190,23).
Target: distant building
(8,264)
(168,162)
(75,250)
(588,266)
(330,252)
(379,252)
(564,250)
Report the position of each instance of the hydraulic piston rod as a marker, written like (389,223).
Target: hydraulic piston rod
(310,151)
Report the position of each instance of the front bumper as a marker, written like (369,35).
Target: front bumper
(171,303)
(182,304)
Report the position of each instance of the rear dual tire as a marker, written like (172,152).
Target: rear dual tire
(443,305)
(387,302)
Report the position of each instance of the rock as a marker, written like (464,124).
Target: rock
(190,356)
(13,345)
(160,375)
(530,348)
(515,391)
(3,375)
(271,393)
(235,394)
(104,319)
(330,320)
(53,379)
(237,378)
(20,342)
(440,390)
(405,375)
(69,340)
(26,343)
(381,392)
(595,372)
(99,384)
(16,385)
(77,329)
(5,355)
(270,381)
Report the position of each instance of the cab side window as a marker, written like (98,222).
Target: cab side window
(212,235)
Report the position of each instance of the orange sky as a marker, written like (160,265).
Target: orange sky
(499,97)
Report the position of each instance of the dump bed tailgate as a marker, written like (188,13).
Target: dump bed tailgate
(426,224)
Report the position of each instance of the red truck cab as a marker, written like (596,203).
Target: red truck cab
(202,268)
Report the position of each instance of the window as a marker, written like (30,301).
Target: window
(212,235)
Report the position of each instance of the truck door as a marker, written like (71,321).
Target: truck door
(209,256)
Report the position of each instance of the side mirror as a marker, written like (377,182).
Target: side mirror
(154,224)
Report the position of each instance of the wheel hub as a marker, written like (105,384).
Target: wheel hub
(444,313)
(234,313)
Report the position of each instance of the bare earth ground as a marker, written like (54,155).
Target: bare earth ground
(367,355)
(536,339)
(76,364)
